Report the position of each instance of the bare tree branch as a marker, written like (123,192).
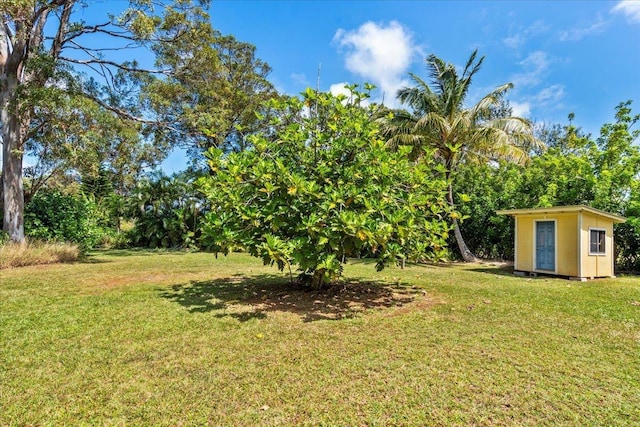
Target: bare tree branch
(123,34)
(126,115)
(113,64)
(85,30)
(58,41)
(103,70)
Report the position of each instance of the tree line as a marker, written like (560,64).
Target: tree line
(300,182)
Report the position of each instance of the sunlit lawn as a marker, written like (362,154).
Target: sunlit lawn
(144,338)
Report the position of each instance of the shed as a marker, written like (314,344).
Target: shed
(572,241)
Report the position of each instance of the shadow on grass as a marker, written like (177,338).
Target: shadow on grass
(140,252)
(247,298)
(408,264)
(91,256)
(504,270)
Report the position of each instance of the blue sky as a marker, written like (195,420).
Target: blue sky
(562,56)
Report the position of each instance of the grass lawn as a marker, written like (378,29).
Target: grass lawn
(145,338)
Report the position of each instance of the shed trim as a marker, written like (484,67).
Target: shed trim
(563,209)
(604,252)
(515,243)
(579,249)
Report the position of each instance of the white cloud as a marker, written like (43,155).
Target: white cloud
(514,41)
(520,109)
(630,8)
(546,99)
(579,32)
(518,39)
(381,54)
(550,95)
(535,67)
(537,61)
(533,95)
(300,79)
(339,89)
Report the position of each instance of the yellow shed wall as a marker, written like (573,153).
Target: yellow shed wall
(567,256)
(566,238)
(524,244)
(596,265)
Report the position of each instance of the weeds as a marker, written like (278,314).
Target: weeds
(14,254)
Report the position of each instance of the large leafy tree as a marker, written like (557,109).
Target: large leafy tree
(79,138)
(484,188)
(321,186)
(439,120)
(617,162)
(43,43)
(213,100)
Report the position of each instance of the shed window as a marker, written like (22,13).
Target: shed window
(596,241)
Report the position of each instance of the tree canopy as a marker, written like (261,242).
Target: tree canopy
(70,100)
(323,187)
(602,172)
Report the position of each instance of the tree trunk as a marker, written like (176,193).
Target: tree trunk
(16,47)
(12,153)
(317,280)
(467,255)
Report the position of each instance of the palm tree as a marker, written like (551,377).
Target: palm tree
(439,123)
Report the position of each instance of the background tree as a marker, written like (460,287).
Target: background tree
(439,120)
(79,139)
(481,189)
(42,42)
(166,211)
(213,100)
(323,188)
(65,217)
(603,173)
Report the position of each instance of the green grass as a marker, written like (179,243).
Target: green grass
(169,338)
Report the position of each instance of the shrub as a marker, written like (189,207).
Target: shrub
(627,240)
(167,212)
(57,217)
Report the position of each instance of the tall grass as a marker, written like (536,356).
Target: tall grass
(33,253)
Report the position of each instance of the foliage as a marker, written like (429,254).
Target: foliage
(213,100)
(72,120)
(617,167)
(166,211)
(627,239)
(602,173)
(323,187)
(483,189)
(58,217)
(73,136)
(438,120)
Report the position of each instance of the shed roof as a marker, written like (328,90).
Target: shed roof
(562,209)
